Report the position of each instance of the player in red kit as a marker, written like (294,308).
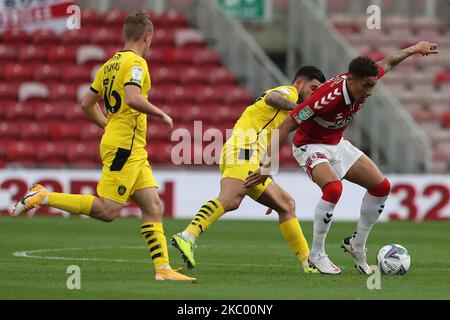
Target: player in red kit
(327,158)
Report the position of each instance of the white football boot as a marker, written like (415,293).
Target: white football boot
(322,263)
(359,255)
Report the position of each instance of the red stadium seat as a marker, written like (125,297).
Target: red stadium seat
(163,38)
(190,75)
(15,36)
(63,131)
(18,111)
(90,17)
(82,153)
(21,151)
(177,94)
(33,130)
(44,36)
(220,76)
(208,94)
(76,74)
(32,53)
(17,71)
(180,56)
(90,131)
(75,37)
(162,75)
(47,72)
(62,53)
(237,95)
(9,130)
(442,77)
(7,54)
(115,17)
(59,91)
(206,56)
(157,130)
(105,37)
(51,153)
(8,90)
(44,110)
(156,56)
(74,113)
(173,19)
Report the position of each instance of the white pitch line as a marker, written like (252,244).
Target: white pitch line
(30,254)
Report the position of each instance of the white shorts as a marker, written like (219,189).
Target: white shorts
(341,156)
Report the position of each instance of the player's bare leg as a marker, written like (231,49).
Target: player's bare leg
(366,174)
(282,202)
(327,179)
(152,230)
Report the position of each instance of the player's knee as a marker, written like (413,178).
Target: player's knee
(332,191)
(231,204)
(381,190)
(155,209)
(288,207)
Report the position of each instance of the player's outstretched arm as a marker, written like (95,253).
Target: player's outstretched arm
(277,140)
(90,106)
(423,47)
(136,101)
(277,100)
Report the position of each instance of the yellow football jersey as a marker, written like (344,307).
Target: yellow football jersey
(126,128)
(253,129)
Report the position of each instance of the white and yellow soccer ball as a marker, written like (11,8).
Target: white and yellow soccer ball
(393,259)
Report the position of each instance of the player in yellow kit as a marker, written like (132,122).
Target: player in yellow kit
(123,83)
(242,154)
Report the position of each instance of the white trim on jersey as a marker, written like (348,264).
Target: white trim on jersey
(344,89)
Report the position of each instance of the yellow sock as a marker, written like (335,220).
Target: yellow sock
(73,203)
(209,212)
(153,234)
(293,234)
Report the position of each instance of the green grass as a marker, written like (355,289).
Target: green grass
(236,260)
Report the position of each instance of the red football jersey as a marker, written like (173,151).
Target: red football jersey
(325,115)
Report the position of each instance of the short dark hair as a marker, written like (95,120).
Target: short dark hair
(363,66)
(311,73)
(136,24)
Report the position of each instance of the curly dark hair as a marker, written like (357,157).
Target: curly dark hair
(363,66)
(310,73)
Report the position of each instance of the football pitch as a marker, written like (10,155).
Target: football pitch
(236,260)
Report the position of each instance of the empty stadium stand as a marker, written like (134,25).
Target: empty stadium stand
(43,76)
(422,85)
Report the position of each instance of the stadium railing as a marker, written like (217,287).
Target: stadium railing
(395,141)
(238,49)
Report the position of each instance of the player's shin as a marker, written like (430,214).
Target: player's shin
(73,203)
(371,208)
(292,232)
(155,239)
(324,214)
(205,217)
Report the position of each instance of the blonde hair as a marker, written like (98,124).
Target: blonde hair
(136,25)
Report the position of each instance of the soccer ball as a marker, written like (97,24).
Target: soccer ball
(393,259)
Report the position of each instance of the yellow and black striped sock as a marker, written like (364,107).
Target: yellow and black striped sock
(153,234)
(293,234)
(208,213)
(73,203)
